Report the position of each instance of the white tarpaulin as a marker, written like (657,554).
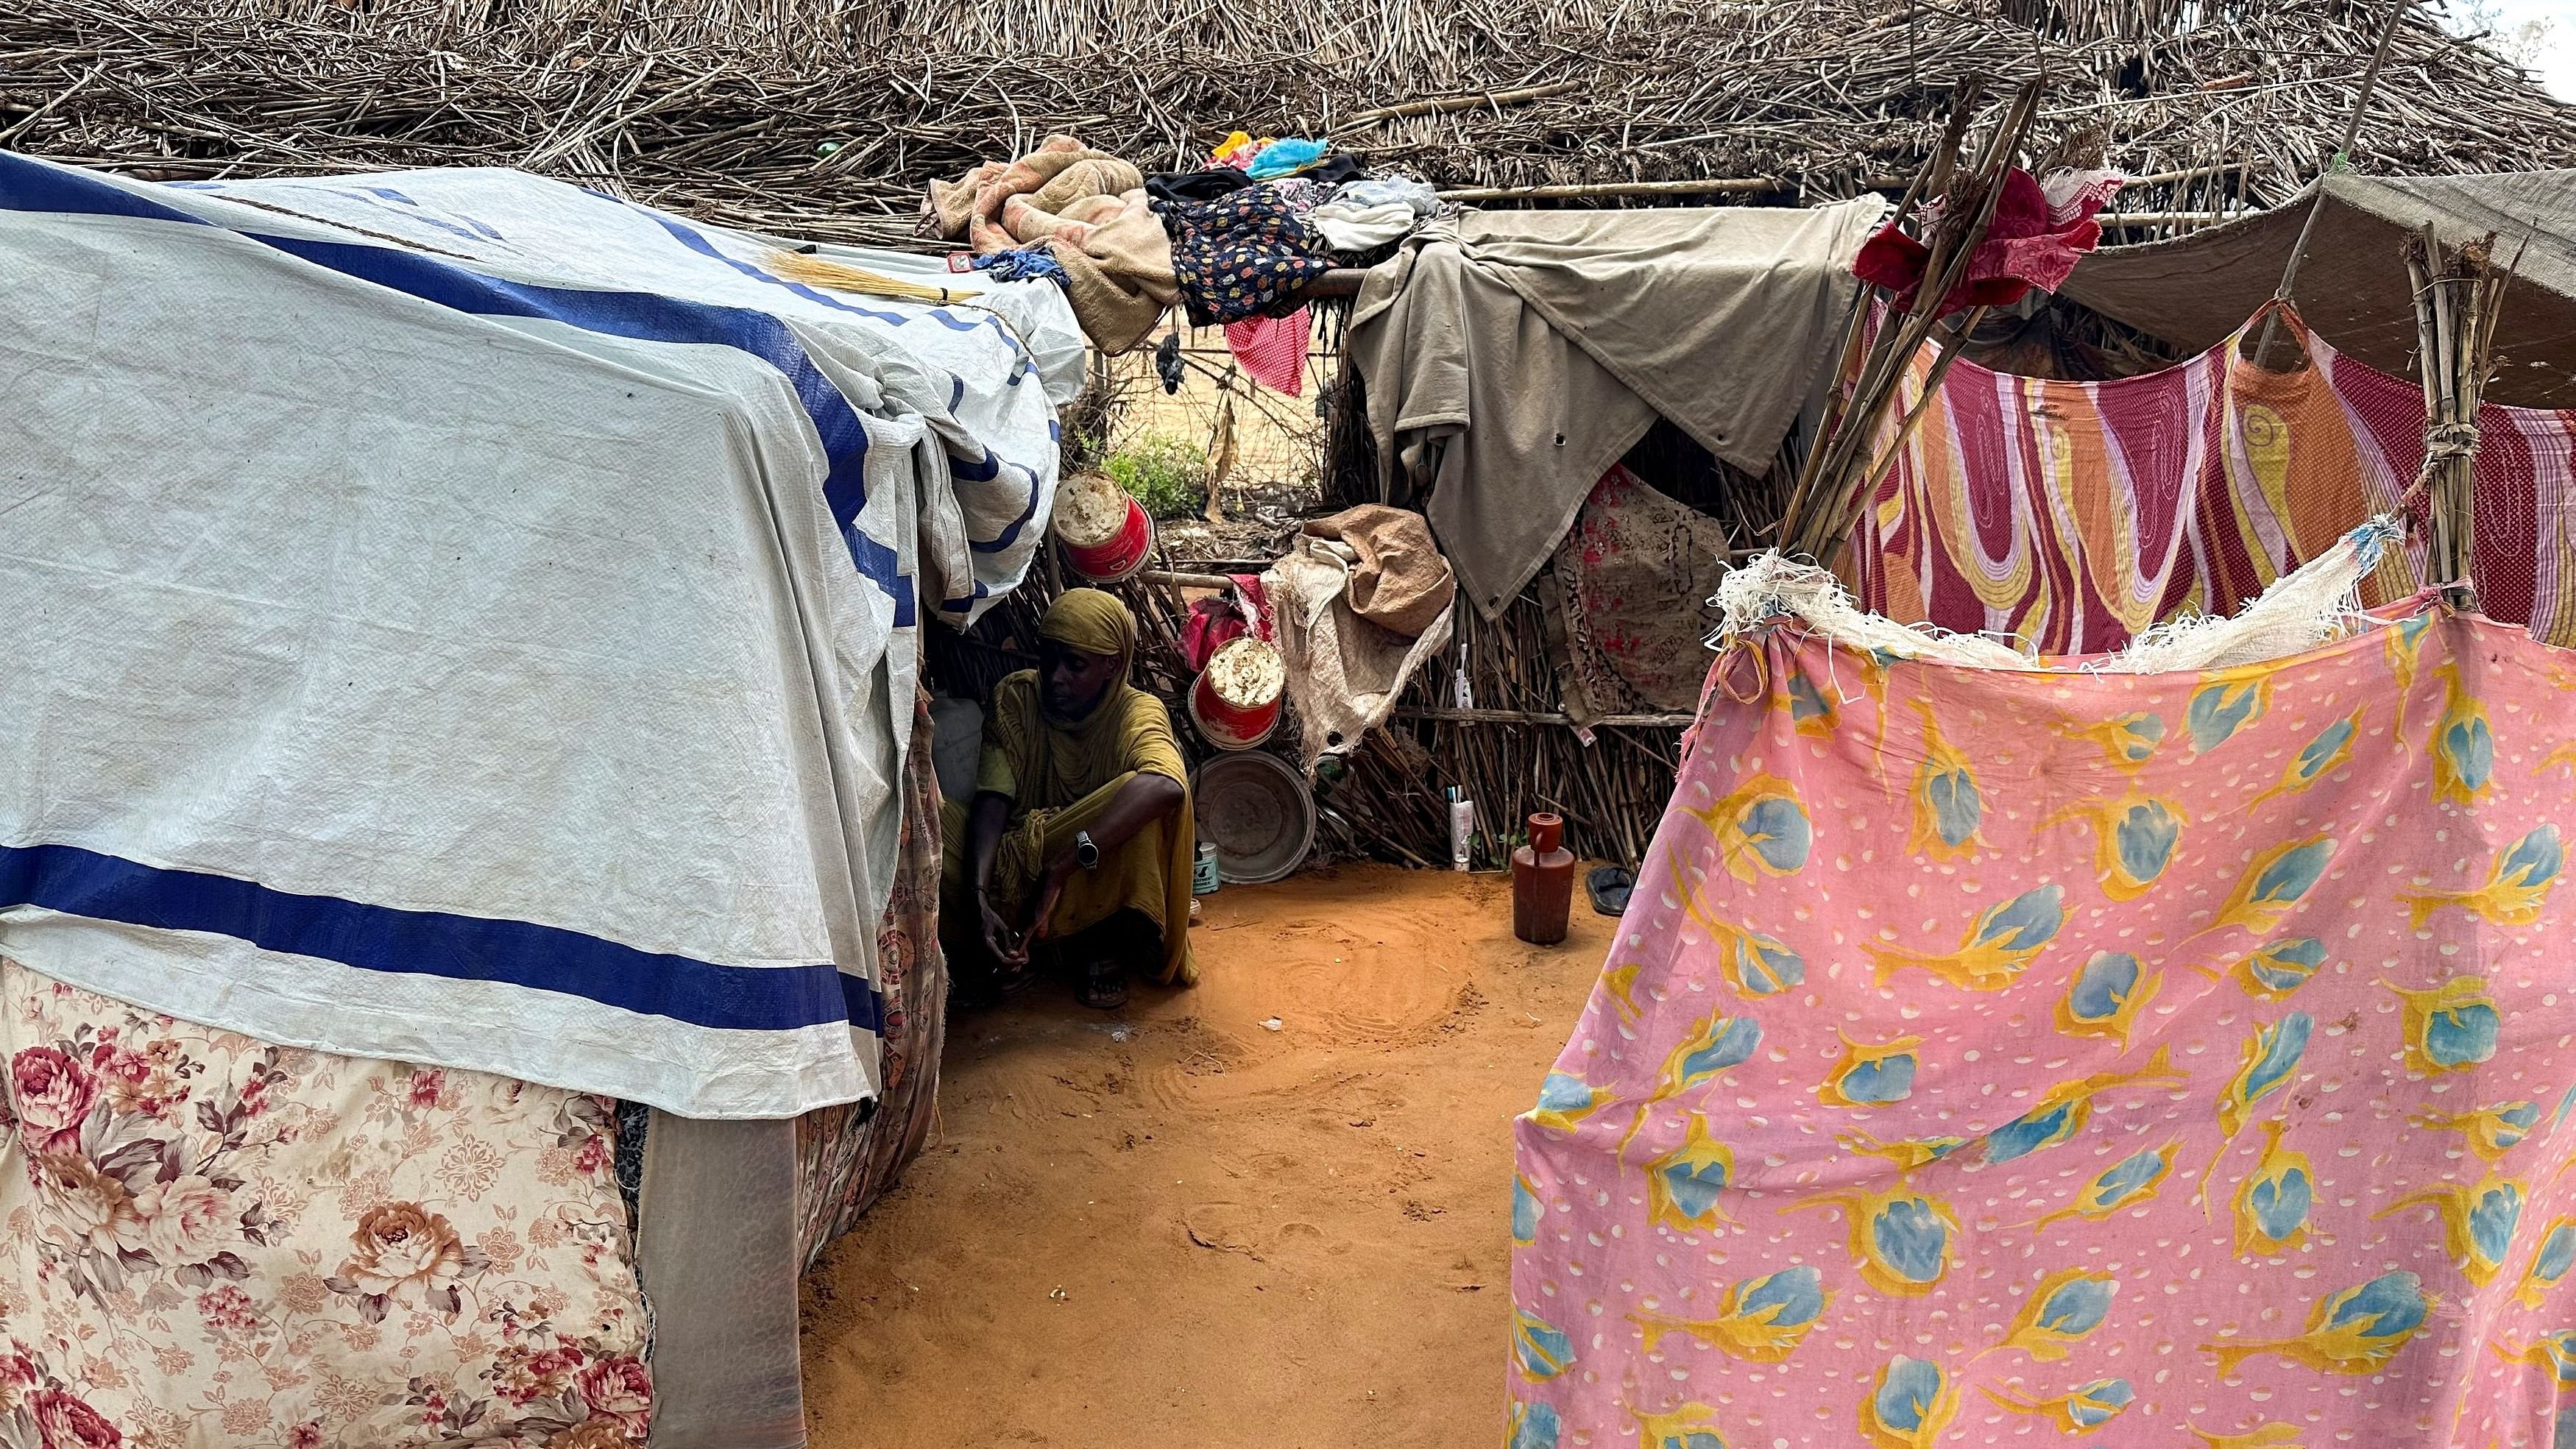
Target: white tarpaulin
(458,617)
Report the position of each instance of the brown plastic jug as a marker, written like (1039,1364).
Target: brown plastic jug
(1542,883)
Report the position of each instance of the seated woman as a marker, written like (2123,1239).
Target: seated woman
(1080,830)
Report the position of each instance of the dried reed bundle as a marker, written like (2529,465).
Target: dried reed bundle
(1850,457)
(2459,296)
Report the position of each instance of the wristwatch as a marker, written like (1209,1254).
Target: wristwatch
(1085,854)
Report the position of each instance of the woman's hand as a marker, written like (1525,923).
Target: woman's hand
(1049,892)
(999,938)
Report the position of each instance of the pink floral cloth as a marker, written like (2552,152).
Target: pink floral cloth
(846,1158)
(1991,1058)
(209,1240)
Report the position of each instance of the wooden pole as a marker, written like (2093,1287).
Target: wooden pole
(1830,489)
(2334,163)
(1736,185)
(1442,105)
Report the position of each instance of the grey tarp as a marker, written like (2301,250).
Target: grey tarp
(1511,357)
(2353,289)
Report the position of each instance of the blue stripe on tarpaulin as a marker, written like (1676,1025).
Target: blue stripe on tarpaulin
(1021,363)
(641,316)
(79,882)
(1010,533)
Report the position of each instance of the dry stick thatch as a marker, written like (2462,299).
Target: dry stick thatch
(823,118)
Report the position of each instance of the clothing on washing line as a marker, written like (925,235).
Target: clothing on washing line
(1243,255)
(1273,349)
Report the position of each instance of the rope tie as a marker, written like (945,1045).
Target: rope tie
(2444,441)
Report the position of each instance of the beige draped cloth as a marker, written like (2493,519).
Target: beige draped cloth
(1512,357)
(1333,597)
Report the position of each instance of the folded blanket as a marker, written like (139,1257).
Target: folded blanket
(1053,177)
(1119,275)
(1349,228)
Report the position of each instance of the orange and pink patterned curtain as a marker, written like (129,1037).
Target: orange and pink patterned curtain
(2071,515)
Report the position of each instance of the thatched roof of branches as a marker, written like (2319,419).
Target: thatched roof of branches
(823,117)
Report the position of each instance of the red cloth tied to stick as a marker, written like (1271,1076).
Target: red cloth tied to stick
(2039,231)
(1217,621)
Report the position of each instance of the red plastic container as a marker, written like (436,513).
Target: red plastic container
(1237,724)
(1116,552)
(1542,883)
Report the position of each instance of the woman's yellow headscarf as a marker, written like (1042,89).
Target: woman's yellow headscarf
(1093,622)
(1062,762)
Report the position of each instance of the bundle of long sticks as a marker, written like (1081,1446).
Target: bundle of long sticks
(1849,455)
(2459,295)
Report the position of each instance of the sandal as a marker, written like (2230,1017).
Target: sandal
(984,990)
(1609,887)
(1104,986)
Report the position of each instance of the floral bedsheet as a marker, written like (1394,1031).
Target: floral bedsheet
(846,1158)
(210,1240)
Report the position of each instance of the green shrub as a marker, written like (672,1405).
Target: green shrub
(1168,476)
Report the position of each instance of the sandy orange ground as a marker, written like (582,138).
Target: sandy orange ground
(1173,1228)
